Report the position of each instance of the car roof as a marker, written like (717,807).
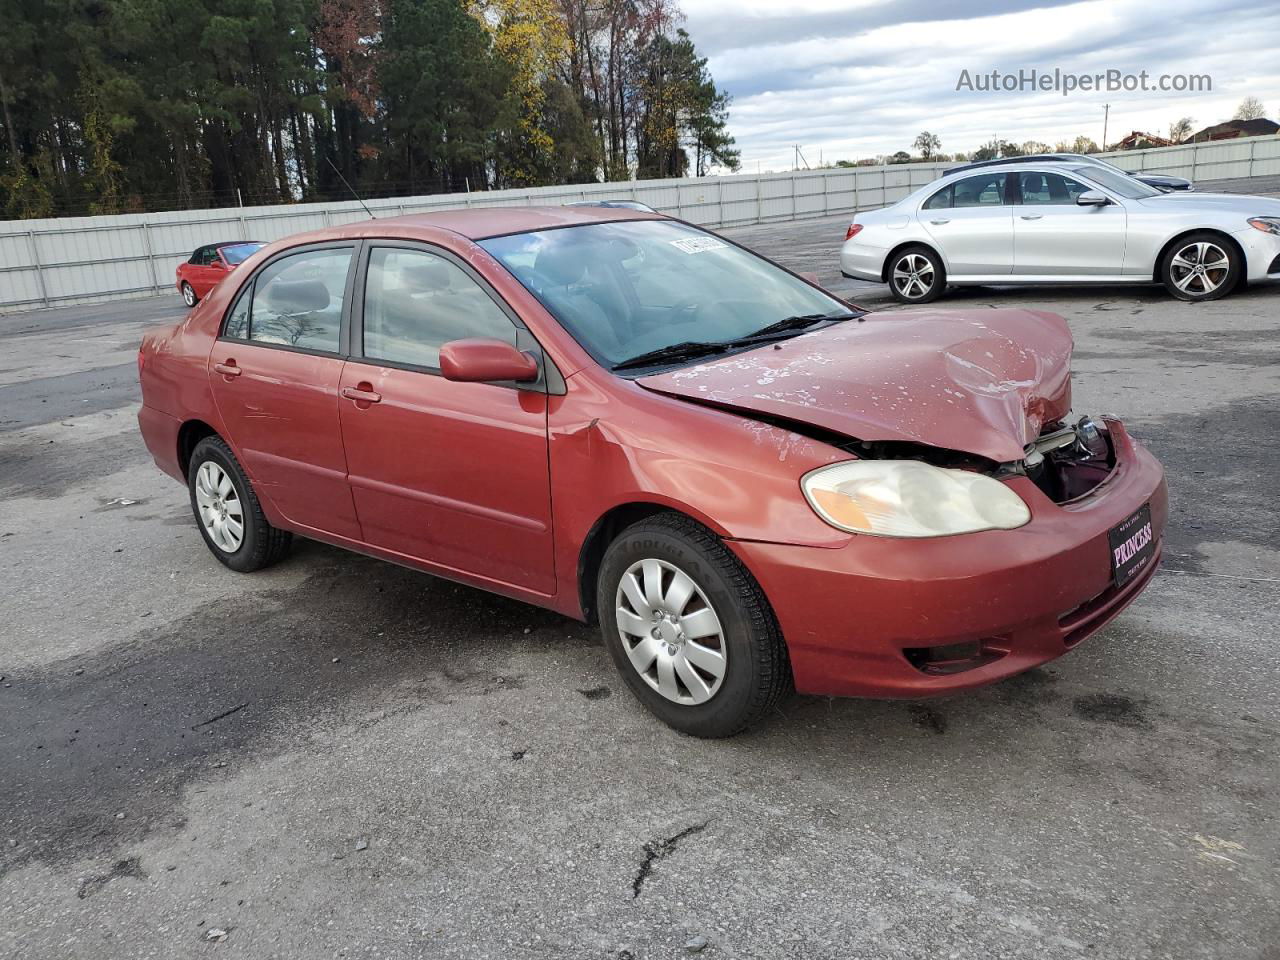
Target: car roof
(480,223)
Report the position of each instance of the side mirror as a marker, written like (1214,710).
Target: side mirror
(482,360)
(218,265)
(1092,198)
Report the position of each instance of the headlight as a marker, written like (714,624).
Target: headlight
(1266,224)
(907,498)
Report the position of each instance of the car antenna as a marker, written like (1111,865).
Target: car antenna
(351,188)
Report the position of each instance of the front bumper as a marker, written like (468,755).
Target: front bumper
(854,616)
(1261,253)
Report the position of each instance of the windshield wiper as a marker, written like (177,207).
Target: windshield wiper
(685,350)
(798,322)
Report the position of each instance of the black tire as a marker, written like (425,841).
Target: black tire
(1222,267)
(261,544)
(756,669)
(908,289)
(189,294)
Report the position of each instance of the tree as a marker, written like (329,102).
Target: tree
(1032,147)
(900,157)
(1180,129)
(1250,108)
(928,144)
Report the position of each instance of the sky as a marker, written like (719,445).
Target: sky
(848,79)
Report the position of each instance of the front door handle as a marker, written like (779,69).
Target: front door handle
(362,393)
(228,369)
(939,222)
(1033,216)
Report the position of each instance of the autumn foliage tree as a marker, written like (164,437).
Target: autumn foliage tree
(119,105)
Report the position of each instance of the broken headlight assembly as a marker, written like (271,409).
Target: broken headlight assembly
(908,498)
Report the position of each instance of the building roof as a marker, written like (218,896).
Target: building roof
(1261,127)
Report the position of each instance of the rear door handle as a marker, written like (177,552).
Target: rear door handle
(1033,216)
(939,222)
(362,393)
(228,369)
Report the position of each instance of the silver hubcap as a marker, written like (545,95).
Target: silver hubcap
(671,632)
(189,295)
(913,276)
(220,508)
(1199,268)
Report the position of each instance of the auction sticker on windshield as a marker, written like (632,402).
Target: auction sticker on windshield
(698,244)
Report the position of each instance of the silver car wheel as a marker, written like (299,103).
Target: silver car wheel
(221,512)
(188,295)
(670,632)
(1199,268)
(913,276)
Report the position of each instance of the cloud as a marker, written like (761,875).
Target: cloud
(856,78)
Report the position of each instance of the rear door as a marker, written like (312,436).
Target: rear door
(1055,236)
(972,224)
(275,371)
(453,474)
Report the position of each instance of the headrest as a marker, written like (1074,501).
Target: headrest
(422,274)
(561,263)
(297,296)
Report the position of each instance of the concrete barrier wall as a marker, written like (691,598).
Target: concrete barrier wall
(84,259)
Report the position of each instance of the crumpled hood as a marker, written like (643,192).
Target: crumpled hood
(981,381)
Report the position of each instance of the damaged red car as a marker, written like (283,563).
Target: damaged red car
(747,482)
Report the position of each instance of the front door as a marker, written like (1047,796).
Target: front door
(275,372)
(453,474)
(1055,236)
(972,225)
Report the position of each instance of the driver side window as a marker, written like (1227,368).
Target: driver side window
(415,302)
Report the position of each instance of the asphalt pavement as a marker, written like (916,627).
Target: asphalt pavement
(341,758)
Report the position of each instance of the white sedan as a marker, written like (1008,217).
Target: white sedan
(1062,223)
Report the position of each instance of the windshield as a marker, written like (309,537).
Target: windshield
(239,252)
(1121,183)
(630,288)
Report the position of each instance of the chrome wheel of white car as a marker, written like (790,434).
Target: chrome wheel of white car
(672,634)
(189,295)
(1201,266)
(916,276)
(221,511)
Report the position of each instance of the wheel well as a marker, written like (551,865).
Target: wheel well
(1173,241)
(189,434)
(884,270)
(603,533)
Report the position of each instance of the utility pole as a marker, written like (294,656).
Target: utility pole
(1106,115)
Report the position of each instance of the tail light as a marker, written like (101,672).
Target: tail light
(853,231)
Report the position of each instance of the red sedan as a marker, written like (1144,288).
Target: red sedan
(208,265)
(745,480)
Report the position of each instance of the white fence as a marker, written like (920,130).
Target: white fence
(85,259)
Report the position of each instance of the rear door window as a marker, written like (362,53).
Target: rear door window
(296,301)
(983,190)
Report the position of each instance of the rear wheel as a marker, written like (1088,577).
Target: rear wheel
(689,628)
(916,275)
(1201,266)
(228,512)
(189,294)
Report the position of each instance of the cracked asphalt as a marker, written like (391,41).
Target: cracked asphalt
(341,758)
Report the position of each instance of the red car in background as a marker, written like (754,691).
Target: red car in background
(208,265)
(745,480)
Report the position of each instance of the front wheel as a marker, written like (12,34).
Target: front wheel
(1201,266)
(189,294)
(228,512)
(916,275)
(689,628)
